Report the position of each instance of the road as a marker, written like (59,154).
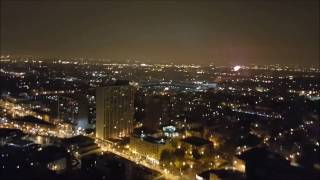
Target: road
(137,158)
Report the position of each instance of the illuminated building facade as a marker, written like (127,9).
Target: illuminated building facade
(149,146)
(115,111)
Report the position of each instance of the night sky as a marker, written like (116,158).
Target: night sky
(201,32)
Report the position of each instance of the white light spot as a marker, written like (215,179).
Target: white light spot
(236,68)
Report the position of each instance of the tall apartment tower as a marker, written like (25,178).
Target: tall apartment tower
(156,112)
(114,111)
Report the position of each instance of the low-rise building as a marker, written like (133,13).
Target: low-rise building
(7,135)
(220,175)
(196,146)
(149,146)
(80,146)
(53,158)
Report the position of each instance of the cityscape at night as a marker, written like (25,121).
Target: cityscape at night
(160,90)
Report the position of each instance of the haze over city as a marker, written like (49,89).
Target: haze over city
(183,32)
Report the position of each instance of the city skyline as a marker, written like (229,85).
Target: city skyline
(188,121)
(159,90)
(204,32)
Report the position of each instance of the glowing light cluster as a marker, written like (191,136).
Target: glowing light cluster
(236,68)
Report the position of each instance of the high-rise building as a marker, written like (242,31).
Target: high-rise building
(156,112)
(115,111)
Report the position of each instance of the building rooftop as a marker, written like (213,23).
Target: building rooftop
(157,140)
(9,132)
(21,143)
(50,153)
(223,174)
(275,165)
(196,141)
(262,155)
(34,120)
(78,140)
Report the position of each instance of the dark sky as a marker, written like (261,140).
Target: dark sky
(202,32)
